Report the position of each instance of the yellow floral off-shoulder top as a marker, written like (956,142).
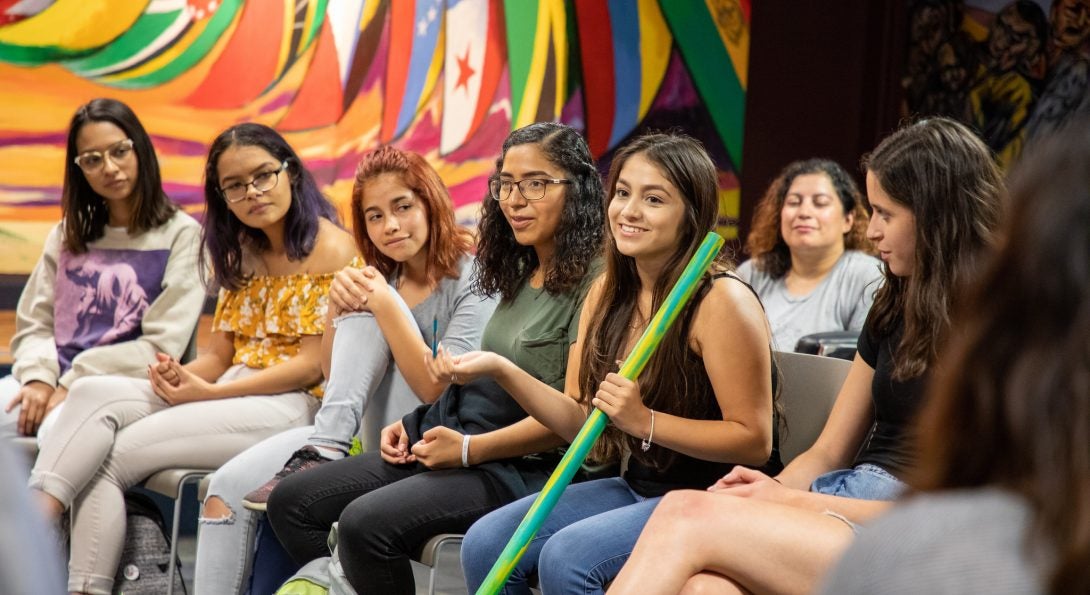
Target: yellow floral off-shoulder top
(270,315)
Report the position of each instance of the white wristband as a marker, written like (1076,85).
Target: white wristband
(465,450)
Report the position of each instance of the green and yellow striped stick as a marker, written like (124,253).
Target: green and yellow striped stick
(596,422)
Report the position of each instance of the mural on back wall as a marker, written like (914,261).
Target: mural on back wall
(448,79)
(1013,70)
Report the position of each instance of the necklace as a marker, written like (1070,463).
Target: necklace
(639,323)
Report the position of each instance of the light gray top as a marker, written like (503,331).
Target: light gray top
(957,542)
(146,283)
(839,303)
(460,313)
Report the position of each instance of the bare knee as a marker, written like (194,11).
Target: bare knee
(215,509)
(692,505)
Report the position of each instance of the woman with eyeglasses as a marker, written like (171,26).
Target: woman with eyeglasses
(381,320)
(116,282)
(273,244)
(446,464)
(703,403)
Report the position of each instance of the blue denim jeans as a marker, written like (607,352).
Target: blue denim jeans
(579,548)
(865,482)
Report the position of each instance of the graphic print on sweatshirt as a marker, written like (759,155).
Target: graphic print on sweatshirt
(100,297)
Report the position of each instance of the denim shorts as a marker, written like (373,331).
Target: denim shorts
(865,482)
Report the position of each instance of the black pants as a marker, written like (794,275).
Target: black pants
(386,514)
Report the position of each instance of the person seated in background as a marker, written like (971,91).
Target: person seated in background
(117,281)
(274,245)
(811,260)
(937,195)
(1004,473)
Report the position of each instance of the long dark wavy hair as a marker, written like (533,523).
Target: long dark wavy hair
(765,242)
(504,263)
(225,237)
(667,382)
(1010,406)
(447,242)
(85,212)
(948,178)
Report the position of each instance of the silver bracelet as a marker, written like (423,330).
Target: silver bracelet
(646,444)
(465,450)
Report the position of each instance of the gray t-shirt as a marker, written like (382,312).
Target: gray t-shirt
(964,541)
(839,303)
(460,315)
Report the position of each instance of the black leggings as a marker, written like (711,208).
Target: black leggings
(386,514)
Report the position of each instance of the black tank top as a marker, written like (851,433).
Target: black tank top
(685,472)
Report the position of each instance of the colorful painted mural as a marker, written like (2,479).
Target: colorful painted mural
(446,78)
(1014,70)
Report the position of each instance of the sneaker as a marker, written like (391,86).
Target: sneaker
(303,459)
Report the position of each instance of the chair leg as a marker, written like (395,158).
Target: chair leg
(433,571)
(174,531)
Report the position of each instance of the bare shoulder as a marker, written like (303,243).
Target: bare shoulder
(729,306)
(333,250)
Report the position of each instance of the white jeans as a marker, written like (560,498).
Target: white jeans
(115,432)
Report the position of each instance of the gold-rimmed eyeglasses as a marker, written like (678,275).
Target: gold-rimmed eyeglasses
(531,188)
(262,182)
(92,161)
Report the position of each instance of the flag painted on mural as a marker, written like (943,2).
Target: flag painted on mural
(162,22)
(267,40)
(625,49)
(372,35)
(65,29)
(711,35)
(411,71)
(537,42)
(346,18)
(205,21)
(319,98)
(473,65)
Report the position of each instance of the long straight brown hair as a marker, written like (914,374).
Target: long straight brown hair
(664,384)
(1010,404)
(947,176)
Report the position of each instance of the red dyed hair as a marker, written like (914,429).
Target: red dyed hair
(447,241)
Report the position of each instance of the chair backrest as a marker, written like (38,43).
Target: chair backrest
(810,384)
(840,344)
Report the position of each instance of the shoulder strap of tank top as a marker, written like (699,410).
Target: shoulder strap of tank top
(732,275)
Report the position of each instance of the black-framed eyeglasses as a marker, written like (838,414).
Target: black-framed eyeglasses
(531,188)
(92,161)
(263,182)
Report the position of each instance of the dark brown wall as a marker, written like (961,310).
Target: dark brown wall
(824,81)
